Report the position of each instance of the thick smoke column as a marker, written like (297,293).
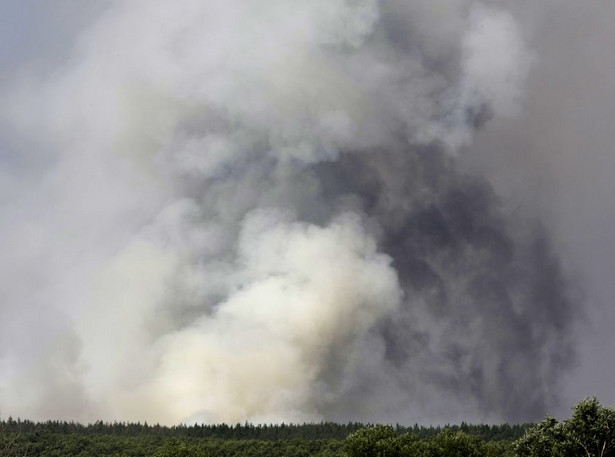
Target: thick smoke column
(253,211)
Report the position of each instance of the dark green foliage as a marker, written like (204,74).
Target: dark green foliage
(65,439)
(546,439)
(589,432)
(312,431)
(591,429)
(173,448)
(455,444)
(94,445)
(385,441)
(379,440)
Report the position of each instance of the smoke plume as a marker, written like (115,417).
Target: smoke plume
(255,211)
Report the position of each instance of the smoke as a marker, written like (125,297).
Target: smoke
(250,211)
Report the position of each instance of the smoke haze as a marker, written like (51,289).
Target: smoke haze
(290,211)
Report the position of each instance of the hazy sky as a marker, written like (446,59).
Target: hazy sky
(262,202)
(559,156)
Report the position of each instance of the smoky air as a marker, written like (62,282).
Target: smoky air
(231,211)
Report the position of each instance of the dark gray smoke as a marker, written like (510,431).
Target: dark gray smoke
(487,311)
(256,212)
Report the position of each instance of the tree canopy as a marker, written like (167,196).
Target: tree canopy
(589,432)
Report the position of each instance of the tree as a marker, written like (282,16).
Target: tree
(589,432)
(546,439)
(591,428)
(177,449)
(456,444)
(374,441)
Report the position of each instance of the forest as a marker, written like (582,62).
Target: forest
(589,432)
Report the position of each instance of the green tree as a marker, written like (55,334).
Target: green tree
(456,444)
(411,445)
(374,441)
(589,432)
(177,449)
(546,439)
(591,429)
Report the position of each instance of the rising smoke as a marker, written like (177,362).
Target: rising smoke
(254,211)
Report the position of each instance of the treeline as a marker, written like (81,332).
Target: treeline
(96,445)
(589,432)
(271,432)
(120,439)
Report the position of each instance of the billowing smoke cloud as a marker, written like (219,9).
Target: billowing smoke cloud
(254,211)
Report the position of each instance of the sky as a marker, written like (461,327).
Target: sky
(326,210)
